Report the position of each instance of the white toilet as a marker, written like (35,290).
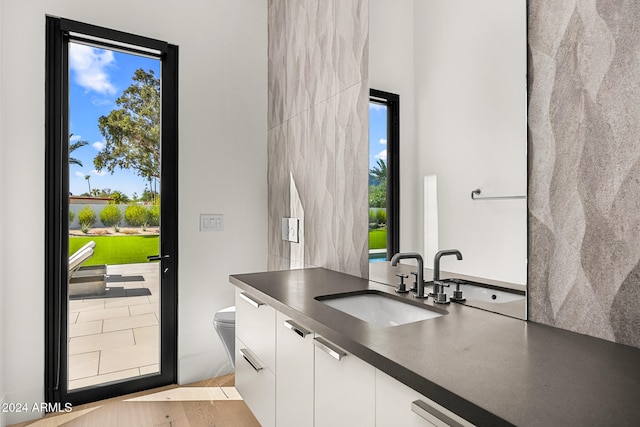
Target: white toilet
(225,323)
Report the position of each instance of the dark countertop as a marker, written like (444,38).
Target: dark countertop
(487,368)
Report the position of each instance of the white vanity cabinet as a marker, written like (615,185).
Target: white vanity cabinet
(399,405)
(294,379)
(255,377)
(344,388)
(289,376)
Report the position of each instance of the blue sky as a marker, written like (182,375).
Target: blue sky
(377,133)
(97,78)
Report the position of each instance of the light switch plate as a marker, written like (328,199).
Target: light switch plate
(211,222)
(290,229)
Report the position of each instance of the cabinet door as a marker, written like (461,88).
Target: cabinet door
(399,405)
(256,384)
(294,379)
(344,388)
(256,327)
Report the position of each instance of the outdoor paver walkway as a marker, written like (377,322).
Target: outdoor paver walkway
(112,339)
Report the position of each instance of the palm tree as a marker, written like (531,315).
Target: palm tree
(379,172)
(74,146)
(88,177)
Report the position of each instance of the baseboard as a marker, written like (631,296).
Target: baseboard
(22,410)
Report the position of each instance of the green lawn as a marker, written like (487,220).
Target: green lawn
(112,250)
(378,238)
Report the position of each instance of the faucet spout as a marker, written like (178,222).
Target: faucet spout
(420,279)
(436,268)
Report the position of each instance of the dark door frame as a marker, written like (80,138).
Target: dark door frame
(59,32)
(392,101)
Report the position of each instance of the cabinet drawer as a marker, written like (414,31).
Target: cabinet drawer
(255,326)
(344,388)
(294,379)
(398,404)
(256,384)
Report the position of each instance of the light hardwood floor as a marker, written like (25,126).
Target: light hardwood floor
(209,403)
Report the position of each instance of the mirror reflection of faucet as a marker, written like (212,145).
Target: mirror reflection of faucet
(439,297)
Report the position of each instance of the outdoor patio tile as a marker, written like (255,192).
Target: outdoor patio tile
(129,301)
(85,328)
(136,310)
(110,313)
(118,359)
(102,341)
(83,365)
(147,335)
(86,305)
(120,323)
(73,317)
(99,379)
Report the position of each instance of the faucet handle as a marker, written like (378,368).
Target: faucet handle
(402,288)
(415,281)
(438,288)
(457,294)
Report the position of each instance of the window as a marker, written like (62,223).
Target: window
(384,175)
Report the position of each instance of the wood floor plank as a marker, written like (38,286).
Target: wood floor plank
(122,411)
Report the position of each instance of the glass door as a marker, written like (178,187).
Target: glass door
(112,164)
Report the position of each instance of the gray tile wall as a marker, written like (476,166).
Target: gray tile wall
(318,133)
(584,167)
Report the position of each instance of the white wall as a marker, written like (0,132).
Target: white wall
(222,106)
(469,118)
(2,223)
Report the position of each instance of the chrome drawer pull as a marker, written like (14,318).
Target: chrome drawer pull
(432,414)
(251,359)
(329,348)
(250,300)
(296,328)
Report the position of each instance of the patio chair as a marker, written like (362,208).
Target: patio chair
(78,259)
(81,255)
(76,254)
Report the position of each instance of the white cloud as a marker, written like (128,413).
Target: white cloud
(100,173)
(79,174)
(383,141)
(373,106)
(75,138)
(99,146)
(89,65)
(382,155)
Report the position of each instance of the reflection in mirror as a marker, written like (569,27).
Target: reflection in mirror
(384,175)
(460,68)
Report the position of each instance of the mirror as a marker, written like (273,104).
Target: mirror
(459,68)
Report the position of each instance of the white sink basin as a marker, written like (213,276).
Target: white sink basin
(379,309)
(478,293)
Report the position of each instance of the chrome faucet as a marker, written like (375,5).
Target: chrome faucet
(419,276)
(438,292)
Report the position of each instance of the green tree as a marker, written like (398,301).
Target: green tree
(111,216)
(132,132)
(377,196)
(378,173)
(87,218)
(119,198)
(137,216)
